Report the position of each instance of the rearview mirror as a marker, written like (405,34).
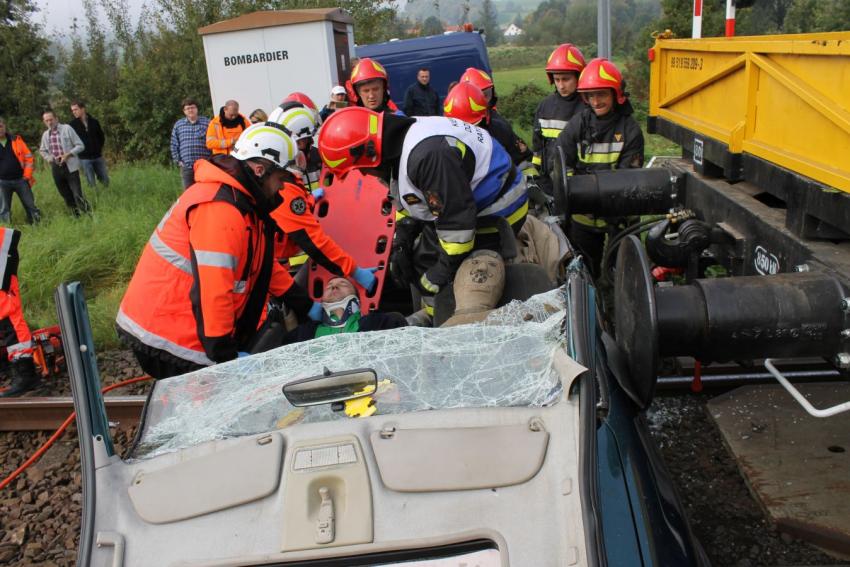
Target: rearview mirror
(331,387)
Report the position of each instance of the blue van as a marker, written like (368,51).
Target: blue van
(447,56)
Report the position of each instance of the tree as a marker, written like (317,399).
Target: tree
(163,59)
(25,69)
(91,74)
(431,26)
(489,21)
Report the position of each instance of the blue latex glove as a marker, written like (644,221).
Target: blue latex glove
(318,193)
(366,278)
(242,354)
(316,312)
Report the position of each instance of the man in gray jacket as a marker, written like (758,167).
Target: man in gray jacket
(60,146)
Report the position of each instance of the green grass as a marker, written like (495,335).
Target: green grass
(100,250)
(507,80)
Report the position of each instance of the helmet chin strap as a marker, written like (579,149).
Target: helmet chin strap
(350,304)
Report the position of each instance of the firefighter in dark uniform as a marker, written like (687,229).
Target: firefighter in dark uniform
(496,124)
(451,183)
(371,86)
(604,136)
(554,112)
(466,102)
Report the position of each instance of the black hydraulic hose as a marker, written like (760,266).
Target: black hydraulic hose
(636,228)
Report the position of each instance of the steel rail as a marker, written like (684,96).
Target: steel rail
(48,413)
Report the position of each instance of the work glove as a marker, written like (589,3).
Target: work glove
(401,266)
(318,193)
(427,287)
(316,312)
(242,354)
(366,278)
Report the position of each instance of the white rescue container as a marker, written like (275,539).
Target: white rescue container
(259,58)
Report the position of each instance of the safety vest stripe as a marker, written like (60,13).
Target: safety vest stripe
(216,259)
(537,160)
(550,132)
(297,260)
(453,249)
(19,350)
(600,158)
(514,194)
(168,254)
(552,123)
(158,342)
(587,220)
(456,236)
(605,147)
(512,218)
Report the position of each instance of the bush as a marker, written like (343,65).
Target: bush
(519,106)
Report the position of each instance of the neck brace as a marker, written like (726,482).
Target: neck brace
(350,304)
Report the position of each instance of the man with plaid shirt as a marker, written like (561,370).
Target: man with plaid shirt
(189,141)
(60,147)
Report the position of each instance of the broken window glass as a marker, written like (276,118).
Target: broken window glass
(506,360)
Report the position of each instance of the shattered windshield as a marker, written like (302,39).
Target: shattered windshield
(507,360)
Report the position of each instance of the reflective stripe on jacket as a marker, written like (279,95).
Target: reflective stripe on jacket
(189,295)
(551,117)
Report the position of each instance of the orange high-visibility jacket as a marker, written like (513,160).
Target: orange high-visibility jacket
(16,336)
(220,140)
(302,230)
(204,276)
(24,155)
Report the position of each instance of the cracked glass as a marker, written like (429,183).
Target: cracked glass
(505,360)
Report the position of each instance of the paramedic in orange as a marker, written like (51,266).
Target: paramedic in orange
(201,286)
(14,333)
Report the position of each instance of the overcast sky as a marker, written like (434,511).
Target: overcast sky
(57,14)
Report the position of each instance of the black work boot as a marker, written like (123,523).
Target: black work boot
(24,377)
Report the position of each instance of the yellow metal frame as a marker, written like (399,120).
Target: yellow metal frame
(759,60)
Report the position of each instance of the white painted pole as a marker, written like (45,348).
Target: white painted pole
(696,31)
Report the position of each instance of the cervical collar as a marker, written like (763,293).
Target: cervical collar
(350,304)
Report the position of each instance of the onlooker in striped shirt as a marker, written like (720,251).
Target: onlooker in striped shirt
(189,141)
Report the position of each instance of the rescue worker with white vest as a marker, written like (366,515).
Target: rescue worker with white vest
(603,136)
(201,285)
(301,234)
(554,112)
(448,178)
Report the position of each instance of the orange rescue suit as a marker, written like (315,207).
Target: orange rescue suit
(193,292)
(302,231)
(24,155)
(221,139)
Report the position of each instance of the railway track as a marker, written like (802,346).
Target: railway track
(48,413)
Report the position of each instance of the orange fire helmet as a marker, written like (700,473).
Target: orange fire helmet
(466,102)
(351,138)
(602,74)
(566,58)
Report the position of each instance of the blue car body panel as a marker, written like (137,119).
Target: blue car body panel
(447,56)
